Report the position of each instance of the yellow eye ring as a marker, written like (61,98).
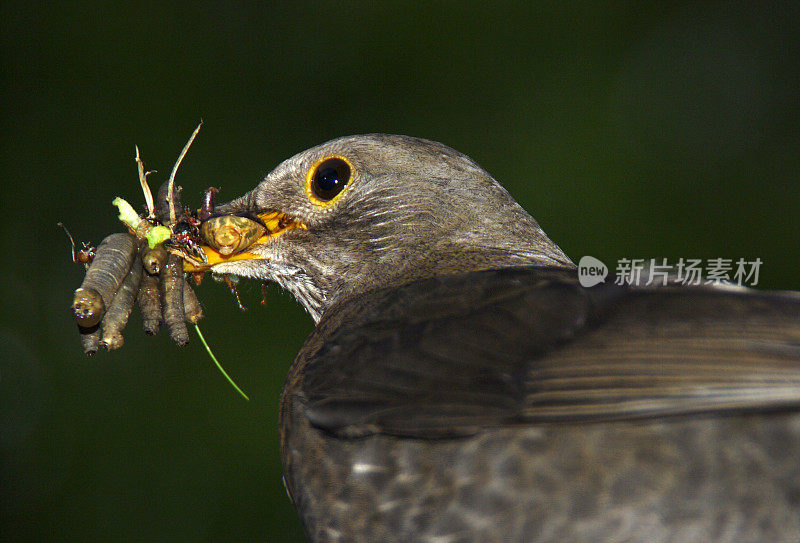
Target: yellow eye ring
(328,178)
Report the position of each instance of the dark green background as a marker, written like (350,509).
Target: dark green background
(628,131)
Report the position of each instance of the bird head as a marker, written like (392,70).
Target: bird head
(363,212)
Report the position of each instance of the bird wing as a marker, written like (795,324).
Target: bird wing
(449,355)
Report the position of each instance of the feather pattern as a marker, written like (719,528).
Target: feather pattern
(452,354)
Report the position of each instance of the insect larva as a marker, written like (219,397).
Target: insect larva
(120,309)
(172,282)
(149,300)
(100,309)
(191,305)
(207,208)
(90,339)
(87,307)
(163,204)
(153,259)
(110,265)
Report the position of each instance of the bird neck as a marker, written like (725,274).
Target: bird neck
(444,259)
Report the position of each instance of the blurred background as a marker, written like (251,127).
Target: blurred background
(626,129)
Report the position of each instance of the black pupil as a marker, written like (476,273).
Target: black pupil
(330,178)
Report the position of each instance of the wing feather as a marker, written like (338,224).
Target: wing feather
(450,355)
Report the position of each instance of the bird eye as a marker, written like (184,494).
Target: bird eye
(328,178)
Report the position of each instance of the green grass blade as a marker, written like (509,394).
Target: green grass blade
(214,358)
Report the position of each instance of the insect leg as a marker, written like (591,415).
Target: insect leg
(234,290)
(71,241)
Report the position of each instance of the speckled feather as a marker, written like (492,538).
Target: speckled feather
(690,480)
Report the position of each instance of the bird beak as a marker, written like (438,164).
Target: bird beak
(214,257)
(276,224)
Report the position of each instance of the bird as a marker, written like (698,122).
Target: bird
(461,384)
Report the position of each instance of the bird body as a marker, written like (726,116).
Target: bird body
(706,479)
(461,385)
(449,410)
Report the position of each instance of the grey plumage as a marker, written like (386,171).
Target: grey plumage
(414,209)
(460,385)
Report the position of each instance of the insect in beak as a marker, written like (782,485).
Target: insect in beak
(231,234)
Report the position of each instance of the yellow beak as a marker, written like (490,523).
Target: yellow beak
(276,222)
